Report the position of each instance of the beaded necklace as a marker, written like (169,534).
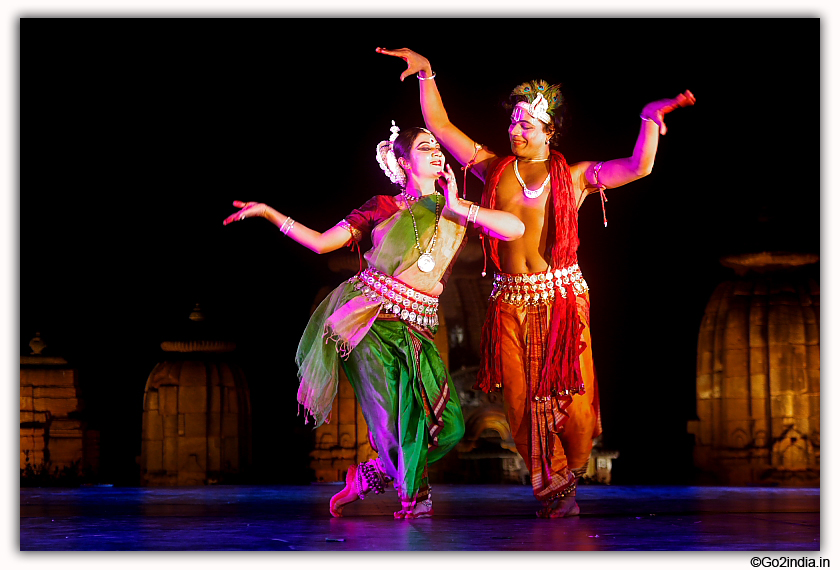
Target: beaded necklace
(426,262)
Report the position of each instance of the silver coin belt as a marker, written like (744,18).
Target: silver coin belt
(533,288)
(396,297)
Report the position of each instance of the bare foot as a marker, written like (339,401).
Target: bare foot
(559,508)
(347,495)
(422,510)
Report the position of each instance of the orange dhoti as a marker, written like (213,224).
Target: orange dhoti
(556,456)
(543,361)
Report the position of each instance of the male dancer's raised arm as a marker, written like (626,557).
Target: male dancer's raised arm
(463,148)
(620,171)
(587,176)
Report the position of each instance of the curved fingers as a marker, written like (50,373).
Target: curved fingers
(412,63)
(394,52)
(686,99)
(451,186)
(662,128)
(664,106)
(245,207)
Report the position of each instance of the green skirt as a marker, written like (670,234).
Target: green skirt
(408,400)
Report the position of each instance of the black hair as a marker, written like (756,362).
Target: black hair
(405,140)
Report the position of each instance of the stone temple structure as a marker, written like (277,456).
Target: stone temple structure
(196,414)
(758,374)
(54,436)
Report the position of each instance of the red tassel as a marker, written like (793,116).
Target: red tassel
(490,370)
(603,206)
(355,246)
(488,200)
(561,368)
(484,251)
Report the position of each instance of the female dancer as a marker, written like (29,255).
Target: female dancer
(379,325)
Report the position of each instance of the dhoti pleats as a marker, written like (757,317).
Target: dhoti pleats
(554,435)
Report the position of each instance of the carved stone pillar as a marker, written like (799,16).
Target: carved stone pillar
(196,416)
(54,436)
(758,374)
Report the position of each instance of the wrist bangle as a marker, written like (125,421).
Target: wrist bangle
(596,170)
(642,117)
(473,213)
(287,225)
(432,76)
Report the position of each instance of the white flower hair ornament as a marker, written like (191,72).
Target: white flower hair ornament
(387,160)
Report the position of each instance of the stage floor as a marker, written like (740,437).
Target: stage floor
(467,518)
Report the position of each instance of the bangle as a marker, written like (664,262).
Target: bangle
(642,117)
(595,171)
(432,76)
(287,225)
(473,213)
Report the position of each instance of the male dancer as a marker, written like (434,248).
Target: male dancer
(535,343)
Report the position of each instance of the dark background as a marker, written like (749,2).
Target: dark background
(137,134)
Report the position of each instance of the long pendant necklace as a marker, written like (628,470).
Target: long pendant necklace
(426,262)
(530,193)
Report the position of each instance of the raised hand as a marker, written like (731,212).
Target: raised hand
(247,210)
(450,189)
(415,61)
(656,110)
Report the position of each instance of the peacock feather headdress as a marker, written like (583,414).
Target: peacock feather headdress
(541,98)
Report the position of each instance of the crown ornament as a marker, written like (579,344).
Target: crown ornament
(542,99)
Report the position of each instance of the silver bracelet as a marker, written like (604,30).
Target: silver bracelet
(473,213)
(642,117)
(432,76)
(596,170)
(287,225)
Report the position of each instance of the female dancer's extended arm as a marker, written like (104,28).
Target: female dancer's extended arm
(319,242)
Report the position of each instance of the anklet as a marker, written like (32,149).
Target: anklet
(358,482)
(566,492)
(375,478)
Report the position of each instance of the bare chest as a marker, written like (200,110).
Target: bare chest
(511,197)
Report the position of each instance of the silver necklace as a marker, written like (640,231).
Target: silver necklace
(408,197)
(426,262)
(529,193)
